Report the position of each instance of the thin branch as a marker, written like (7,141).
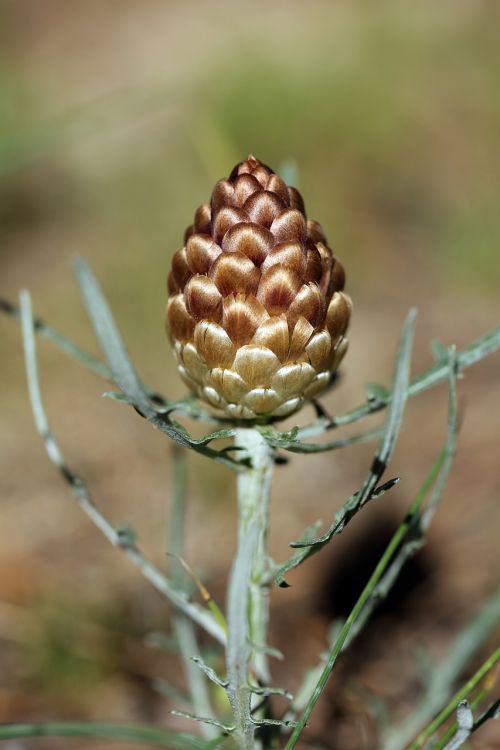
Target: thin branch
(188,406)
(395,413)
(184,630)
(474,703)
(290,442)
(125,375)
(308,544)
(444,676)
(95,365)
(311,677)
(122,540)
(356,611)
(226,728)
(460,695)
(209,672)
(392,561)
(388,440)
(482,347)
(466,726)
(119,732)
(298,556)
(383,566)
(436,478)
(378,400)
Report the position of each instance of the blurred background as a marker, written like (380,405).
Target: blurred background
(116,118)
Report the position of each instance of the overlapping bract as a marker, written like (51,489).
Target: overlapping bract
(256,312)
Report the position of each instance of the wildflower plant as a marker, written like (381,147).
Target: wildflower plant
(257,317)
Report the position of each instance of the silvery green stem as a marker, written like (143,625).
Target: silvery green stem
(254,488)
(247,609)
(183,627)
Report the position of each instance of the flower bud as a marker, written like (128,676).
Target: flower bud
(256,313)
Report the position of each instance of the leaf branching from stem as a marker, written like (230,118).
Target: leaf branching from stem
(124,541)
(443,677)
(183,625)
(246,655)
(118,732)
(124,373)
(396,543)
(378,396)
(308,544)
(459,696)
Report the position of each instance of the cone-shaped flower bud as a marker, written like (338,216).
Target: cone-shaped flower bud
(256,312)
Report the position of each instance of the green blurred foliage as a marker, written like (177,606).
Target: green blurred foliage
(74,647)
(391,113)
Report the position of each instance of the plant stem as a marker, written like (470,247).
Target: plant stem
(253,504)
(443,677)
(148,735)
(338,646)
(183,627)
(488,665)
(79,488)
(248,590)
(450,732)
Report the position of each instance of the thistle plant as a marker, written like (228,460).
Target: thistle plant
(257,317)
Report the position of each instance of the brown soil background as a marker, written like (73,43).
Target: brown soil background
(115,120)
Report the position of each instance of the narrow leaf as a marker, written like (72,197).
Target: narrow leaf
(125,375)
